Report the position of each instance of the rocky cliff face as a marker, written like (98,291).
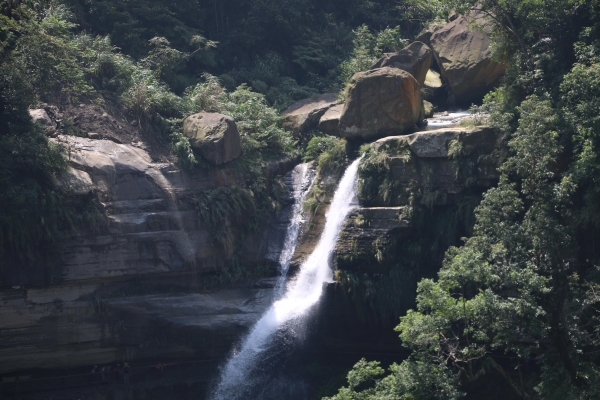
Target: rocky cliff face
(131,290)
(151,229)
(417,194)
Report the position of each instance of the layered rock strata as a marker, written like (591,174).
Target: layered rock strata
(435,167)
(131,291)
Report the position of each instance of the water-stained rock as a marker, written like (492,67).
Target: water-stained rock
(462,50)
(304,115)
(381,102)
(87,323)
(414,59)
(120,290)
(215,137)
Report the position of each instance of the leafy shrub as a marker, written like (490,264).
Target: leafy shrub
(221,208)
(368,47)
(319,145)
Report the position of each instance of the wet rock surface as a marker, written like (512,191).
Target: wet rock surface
(74,325)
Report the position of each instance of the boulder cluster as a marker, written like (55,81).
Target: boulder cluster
(388,99)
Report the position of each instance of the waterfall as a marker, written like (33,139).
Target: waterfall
(302,180)
(242,375)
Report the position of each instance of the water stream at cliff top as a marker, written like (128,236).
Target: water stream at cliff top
(243,377)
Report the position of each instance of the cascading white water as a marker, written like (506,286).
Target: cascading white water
(301,294)
(305,176)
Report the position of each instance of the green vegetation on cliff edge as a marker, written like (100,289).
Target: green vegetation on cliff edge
(520,298)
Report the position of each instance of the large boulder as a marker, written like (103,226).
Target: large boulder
(304,115)
(381,102)
(414,58)
(330,121)
(463,55)
(215,137)
(40,116)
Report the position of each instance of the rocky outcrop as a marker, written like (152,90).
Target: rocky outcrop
(463,55)
(131,289)
(214,136)
(304,115)
(87,323)
(330,121)
(436,167)
(381,102)
(414,59)
(364,229)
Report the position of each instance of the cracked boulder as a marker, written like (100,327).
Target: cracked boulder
(414,59)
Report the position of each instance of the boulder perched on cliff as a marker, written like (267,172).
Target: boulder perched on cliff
(381,102)
(75,182)
(330,121)
(414,58)
(304,115)
(214,136)
(463,55)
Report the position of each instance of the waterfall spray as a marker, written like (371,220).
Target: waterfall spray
(303,292)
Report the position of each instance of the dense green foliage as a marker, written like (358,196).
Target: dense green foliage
(34,216)
(368,47)
(284,49)
(520,298)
